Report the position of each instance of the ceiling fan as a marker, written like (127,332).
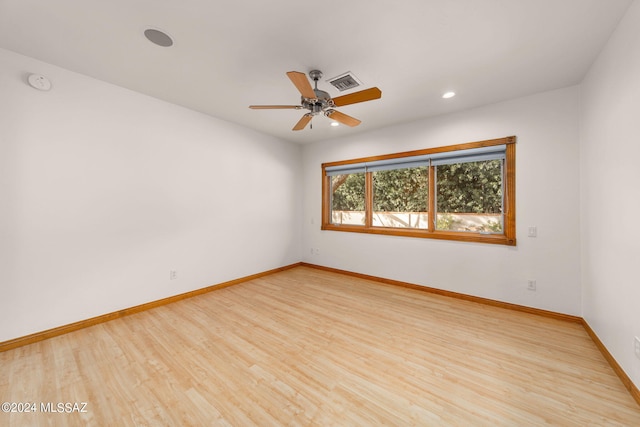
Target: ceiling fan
(320,102)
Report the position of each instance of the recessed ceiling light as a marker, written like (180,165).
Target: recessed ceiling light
(448,95)
(334,124)
(158,37)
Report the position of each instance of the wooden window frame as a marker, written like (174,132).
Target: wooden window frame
(508,237)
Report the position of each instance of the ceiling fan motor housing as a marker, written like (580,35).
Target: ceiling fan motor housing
(322,101)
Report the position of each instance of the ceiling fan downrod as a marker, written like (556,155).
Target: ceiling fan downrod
(315,76)
(322,99)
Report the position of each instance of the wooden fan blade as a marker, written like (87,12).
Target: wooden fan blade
(301,82)
(302,123)
(342,118)
(275,107)
(354,98)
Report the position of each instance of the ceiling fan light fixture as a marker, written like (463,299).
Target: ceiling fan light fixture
(448,95)
(335,124)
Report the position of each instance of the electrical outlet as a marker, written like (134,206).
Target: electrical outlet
(316,251)
(636,346)
(531,285)
(173,275)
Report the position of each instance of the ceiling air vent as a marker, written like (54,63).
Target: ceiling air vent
(345,81)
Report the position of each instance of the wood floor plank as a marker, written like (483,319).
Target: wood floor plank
(306,347)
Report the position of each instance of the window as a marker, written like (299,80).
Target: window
(348,198)
(463,192)
(400,198)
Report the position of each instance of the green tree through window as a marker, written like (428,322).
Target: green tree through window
(474,187)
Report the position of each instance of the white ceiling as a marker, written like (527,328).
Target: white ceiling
(228,54)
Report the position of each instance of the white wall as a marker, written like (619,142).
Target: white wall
(546,126)
(103,191)
(610,193)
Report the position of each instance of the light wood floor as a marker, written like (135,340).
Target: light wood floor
(309,347)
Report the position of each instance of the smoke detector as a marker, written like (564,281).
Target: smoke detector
(39,82)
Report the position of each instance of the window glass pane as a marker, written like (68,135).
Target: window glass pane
(400,198)
(347,199)
(469,197)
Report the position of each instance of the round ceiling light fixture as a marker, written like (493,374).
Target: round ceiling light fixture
(448,95)
(334,123)
(158,37)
